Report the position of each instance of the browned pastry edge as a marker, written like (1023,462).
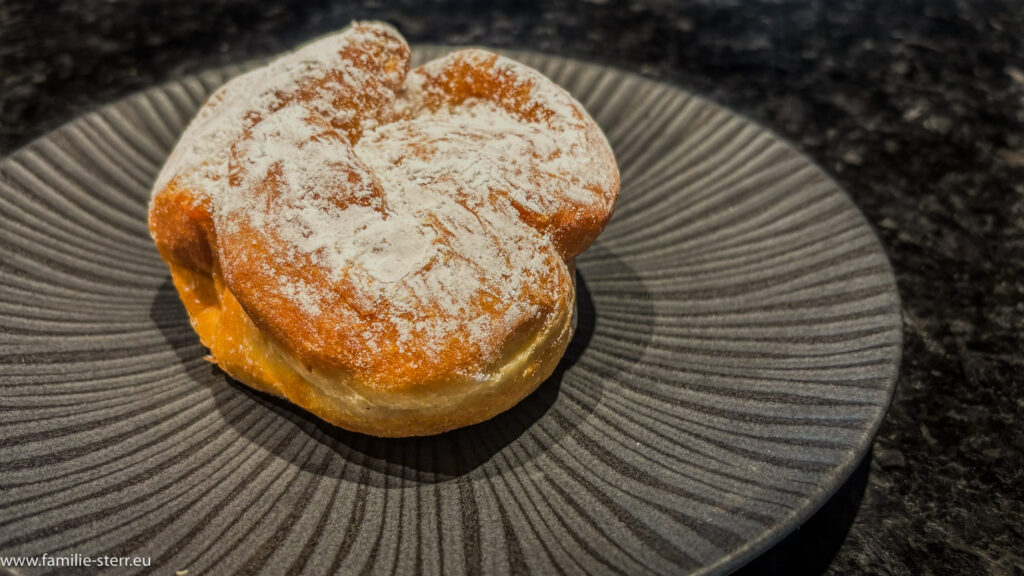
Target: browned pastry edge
(269,360)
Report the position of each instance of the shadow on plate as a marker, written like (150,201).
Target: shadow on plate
(809,550)
(522,432)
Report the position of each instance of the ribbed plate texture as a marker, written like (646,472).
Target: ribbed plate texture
(737,347)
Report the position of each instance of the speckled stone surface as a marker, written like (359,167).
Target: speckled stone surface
(916,108)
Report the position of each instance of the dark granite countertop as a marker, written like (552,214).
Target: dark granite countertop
(916,108)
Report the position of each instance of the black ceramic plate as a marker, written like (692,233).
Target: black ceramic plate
(737,348)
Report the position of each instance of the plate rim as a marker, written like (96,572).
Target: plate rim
(811,502)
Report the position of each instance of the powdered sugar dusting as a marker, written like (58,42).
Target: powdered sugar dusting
(201,155)
(327,203)
(544,163)
(417,210)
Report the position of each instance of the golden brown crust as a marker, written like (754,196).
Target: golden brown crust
(413,354)
(475,74)
(251,356)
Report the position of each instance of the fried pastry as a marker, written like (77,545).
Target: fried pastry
(390,249)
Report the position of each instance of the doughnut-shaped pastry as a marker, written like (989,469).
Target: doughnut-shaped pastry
(391,250)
